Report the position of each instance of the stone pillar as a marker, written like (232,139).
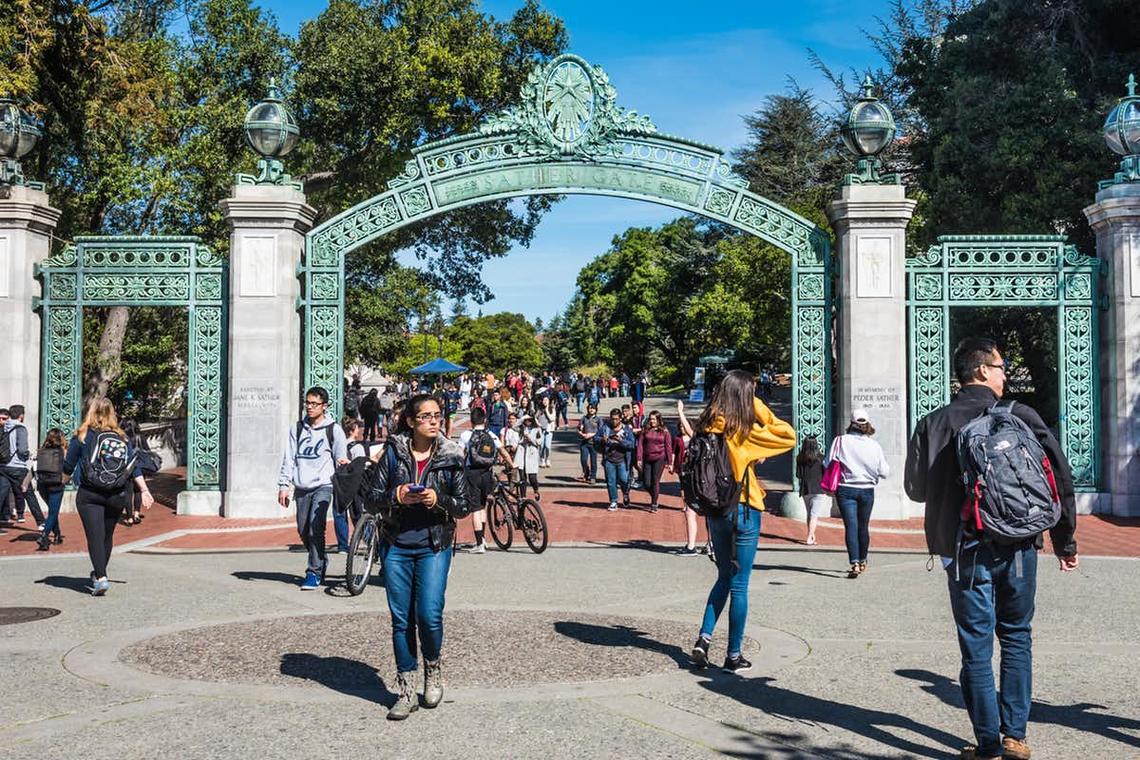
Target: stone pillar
(1115,217)
(26,225)
(870,224)
(268,225)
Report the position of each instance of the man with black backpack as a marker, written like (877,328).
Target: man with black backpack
(15,463)
(481,450)
(993,478)
(315,446)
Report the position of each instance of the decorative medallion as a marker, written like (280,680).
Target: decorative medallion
(568,109)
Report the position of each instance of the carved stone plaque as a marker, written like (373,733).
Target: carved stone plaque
(873,275)
(258,266)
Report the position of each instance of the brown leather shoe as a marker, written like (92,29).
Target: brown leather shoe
(1014,749)
(970,752)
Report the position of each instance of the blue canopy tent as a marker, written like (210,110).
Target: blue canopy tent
(437,366)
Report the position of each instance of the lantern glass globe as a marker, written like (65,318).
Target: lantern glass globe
(870,129)
(270,129)
(1122,128)
(19,132)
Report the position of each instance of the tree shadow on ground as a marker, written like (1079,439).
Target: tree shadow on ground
(762,695)
(352,677)
(81,585)
(1075,716)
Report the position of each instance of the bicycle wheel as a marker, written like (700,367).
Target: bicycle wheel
(362,552)
(533,524)
(499,523)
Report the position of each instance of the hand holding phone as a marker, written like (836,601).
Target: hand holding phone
(416,488)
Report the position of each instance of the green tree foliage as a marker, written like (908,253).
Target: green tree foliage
(495,343)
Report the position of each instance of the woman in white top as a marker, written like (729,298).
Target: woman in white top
(544,416)
(526,457)
(862,466)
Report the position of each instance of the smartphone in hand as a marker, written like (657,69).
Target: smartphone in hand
(416,488)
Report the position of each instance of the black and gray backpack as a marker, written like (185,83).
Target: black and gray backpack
(109,463)
(481,450)
(708,486)
(1011,493)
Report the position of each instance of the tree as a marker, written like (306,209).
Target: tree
(496,343)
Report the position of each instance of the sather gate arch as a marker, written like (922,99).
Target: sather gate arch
(568,136)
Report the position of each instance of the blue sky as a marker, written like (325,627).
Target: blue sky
(696,69)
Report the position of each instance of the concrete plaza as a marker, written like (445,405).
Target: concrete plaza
(576,652)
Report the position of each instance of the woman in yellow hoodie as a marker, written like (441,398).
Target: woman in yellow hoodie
(752,434)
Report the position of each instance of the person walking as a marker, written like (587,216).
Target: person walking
(497,412)
(137,441)
(579,392)
(545,418)
(481,450)
(421,476)
(102,463)
(617,443)
(50,483)
(654,449)
(313,449)
(588,445)
(370,413)
(680,442)
(15,466)
(809,472)
(992,579)
(561,406)
(527,459)
(751,435)
(863,465)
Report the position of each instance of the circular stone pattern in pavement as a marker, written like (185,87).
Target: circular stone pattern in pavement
(13,615)
(481,648)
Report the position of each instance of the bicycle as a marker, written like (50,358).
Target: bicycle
(508,511)
(363,553)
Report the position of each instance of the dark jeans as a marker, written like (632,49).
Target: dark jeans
(312,514)
(651,474)
(855,506)
(992,590)
(100,513)
(617,474)
(589,457)
(416,582)
(561,417)
(371,426)
(340,528)
(12,481)
(739,530)
(53,499)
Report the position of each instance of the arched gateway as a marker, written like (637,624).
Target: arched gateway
(568,136)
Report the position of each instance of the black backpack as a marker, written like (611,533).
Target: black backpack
(1011,494)
(109,463)
(481,450)
(49,467)
(5,446)
(708,486)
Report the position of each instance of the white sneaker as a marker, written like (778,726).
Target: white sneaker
(476,549)
(612,507)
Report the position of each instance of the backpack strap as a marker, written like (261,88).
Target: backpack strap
(1002,407)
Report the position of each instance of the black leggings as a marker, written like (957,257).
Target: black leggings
(99,513)
(532,478)
(651,474)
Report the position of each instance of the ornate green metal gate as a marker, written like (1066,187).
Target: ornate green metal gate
(1010,270)
(138,271)
(568,136)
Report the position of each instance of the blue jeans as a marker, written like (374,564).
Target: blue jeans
(53,499)
(855,506)
(994,592)
(312,514)
(579,397)
(589,457)
(416,581)
(340,528)
(544,446)
(617,474)
(733,574)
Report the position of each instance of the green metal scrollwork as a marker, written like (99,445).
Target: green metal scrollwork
(139,271)
(568,136)
(1014,270)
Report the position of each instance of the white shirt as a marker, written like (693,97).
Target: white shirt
(863,461)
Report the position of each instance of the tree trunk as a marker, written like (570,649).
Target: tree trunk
(108,363)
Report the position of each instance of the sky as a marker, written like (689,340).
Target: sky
(696,69)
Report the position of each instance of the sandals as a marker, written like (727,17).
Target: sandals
(854,571)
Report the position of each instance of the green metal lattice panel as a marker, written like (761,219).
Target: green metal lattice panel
(1011,271)
(139,271)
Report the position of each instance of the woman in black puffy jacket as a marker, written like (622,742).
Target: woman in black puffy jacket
(420,475)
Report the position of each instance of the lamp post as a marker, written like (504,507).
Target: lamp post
(1122,133)
(272,133)
(867,131)
(19,133)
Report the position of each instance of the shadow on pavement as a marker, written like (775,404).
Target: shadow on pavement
(620,636)
(264,575)
(1075,716)
(350,677)
(82,585)
(802,569)
(762,695)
